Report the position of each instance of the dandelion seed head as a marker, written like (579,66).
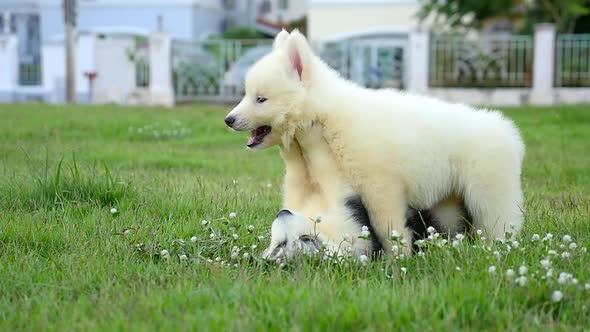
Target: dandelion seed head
(535,237)
(566,238)
(235,236)
(193,239)
(479,232)
(545,263)
(521,281)
(573,246)
(522,270)
(492,269)
(233,215)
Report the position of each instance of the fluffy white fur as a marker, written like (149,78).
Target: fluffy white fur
(394,149)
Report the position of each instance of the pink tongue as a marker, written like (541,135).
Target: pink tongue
(252,137)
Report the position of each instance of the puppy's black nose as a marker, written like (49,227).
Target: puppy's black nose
(284,213)
(230,120)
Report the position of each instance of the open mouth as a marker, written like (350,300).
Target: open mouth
(258,136)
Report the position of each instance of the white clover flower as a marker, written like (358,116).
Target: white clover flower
(246,255)
(510,273)
(552,252)
(565,255)
(253,246)
(515,244)
(479,232)
(234,256)
(113,210)
(251,228)
(549,273)
(521,281)
(194,239)
(492,269)
(456,243)
(269,185)
(401,256)
(573,246)
(522,270)
(233,215)
(395,234)
(431,230)
(458,268)
(556,296)
(548,237)
(235,236)
(165,254)
(209,260)
(183,257)
(574,281)
(420,243)
(535,237)
(126,232)
(363,259)
(421,253)
(545,263)
(204,222)
(566,238)
(260,237)
(365,231)
(497,254)
(403,270)
(395,249)
(460,236)
(212,235)
(218,259)
(563,278)
(584,249)
(587,287)
(346,237)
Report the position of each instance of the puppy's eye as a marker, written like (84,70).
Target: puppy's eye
(260,99)
(305,238)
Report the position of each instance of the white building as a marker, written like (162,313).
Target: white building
(335,19)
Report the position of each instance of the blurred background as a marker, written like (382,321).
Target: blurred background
(165,52)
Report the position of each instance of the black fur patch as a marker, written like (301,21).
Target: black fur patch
(361,215)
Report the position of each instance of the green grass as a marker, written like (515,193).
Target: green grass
(67,263)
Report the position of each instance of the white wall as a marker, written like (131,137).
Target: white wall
(54,72)
(295,10)
(330,18)
(8,67)
(115,79)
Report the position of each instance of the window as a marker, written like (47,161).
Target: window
(283,4)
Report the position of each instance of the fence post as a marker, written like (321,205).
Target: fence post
(417,59)
(543,65)
(86,63)
(9,65)
(160,69)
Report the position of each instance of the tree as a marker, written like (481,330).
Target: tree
(472,13)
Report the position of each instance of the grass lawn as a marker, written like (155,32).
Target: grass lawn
(68,263)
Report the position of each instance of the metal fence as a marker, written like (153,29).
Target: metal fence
(489,61)
(215,70)
(141,58)
(29,74)
(572,60)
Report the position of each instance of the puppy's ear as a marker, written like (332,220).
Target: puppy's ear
(300,56)
(280,40)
